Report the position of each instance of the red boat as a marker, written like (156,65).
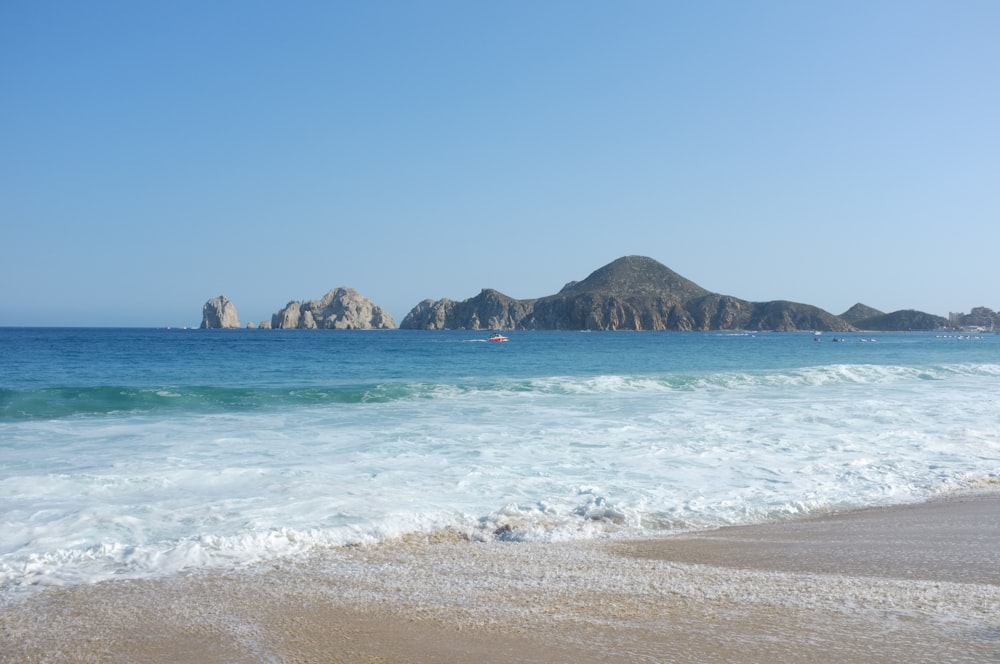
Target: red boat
(497,337)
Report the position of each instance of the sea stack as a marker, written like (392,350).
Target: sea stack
(219,313)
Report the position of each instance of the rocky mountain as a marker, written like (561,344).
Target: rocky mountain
(340,309)
(860,312)
(219,313)
(902,321)
(631,293)
(636,276)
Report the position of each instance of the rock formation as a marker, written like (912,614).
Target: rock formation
(219,312)
(490,310)
(860,312)
(339,309)
(864,317)
(631,293)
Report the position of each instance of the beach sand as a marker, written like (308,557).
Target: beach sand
(918,583)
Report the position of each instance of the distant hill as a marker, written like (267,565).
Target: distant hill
(631,293)
(636,276)
(860,312)
(902,321)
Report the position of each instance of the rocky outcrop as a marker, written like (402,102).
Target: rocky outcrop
(490,310)
(340,309)
(219,313)
(718,312)
(430,315)
(631,293)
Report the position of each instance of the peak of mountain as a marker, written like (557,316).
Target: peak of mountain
(860,312)
(632,276)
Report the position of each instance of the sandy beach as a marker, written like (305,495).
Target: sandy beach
(917,583)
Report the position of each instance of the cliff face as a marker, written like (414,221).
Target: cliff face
(339,309)
(219,313)
(631,293)
(597,311)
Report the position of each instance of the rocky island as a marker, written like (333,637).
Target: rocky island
(340,309)
(219,313)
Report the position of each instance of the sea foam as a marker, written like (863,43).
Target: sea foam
(110,481)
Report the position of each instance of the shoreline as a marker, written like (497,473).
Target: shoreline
(917,583)
(950,538)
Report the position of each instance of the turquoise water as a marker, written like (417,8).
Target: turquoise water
(141,452)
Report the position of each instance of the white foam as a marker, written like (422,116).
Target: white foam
(537,460)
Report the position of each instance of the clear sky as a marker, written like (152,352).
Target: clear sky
(156,154)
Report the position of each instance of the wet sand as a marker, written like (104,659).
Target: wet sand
(914,583)
(952,539)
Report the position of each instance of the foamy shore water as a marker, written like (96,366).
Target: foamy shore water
(916,583)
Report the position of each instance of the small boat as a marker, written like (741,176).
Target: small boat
(497,337)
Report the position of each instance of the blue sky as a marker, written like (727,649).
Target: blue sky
(156,154)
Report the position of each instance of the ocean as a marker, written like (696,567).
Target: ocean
(140,453)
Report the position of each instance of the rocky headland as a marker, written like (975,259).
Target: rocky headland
(630,293)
